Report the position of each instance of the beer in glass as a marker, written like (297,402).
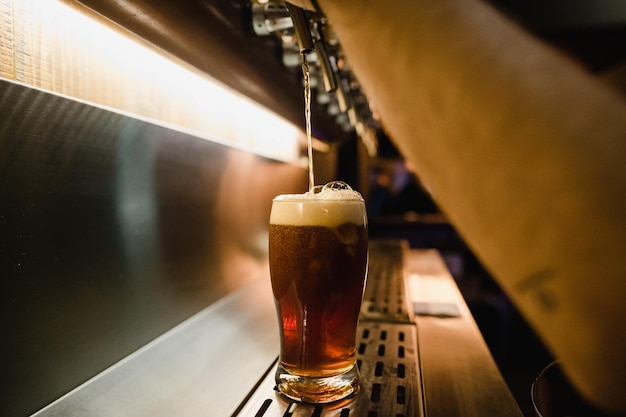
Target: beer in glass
(318,264)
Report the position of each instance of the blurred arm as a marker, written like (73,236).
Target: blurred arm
(524,152)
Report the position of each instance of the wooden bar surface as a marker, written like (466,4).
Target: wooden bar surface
(459,375)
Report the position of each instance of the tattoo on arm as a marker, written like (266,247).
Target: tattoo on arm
(537,284)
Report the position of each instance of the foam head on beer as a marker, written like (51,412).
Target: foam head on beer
(329,206)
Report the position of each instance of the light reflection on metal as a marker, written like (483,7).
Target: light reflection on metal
(137,205)
(55,47)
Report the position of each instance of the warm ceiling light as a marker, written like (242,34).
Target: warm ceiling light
(57,48)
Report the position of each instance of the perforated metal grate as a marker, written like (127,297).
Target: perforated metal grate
(390,385)
(386,353)
(386,297)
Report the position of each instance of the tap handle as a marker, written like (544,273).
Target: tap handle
(343,94)
(327,61)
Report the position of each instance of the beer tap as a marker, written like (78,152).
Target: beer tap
(301,28)
(316,41)
(275,17)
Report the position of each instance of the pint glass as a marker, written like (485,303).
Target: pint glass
(318,264)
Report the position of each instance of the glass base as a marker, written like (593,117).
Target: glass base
(317,389)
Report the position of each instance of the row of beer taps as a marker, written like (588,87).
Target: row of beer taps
(333,84)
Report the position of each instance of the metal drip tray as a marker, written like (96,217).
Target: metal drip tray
(386,352)
(390,384)
(386,297)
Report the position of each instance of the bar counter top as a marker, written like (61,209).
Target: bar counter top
(221,361)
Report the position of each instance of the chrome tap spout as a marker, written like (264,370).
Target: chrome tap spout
(301,28)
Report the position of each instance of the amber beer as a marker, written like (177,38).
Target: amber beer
(318,263)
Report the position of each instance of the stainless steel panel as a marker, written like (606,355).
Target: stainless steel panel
(205,366)
(113,231)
